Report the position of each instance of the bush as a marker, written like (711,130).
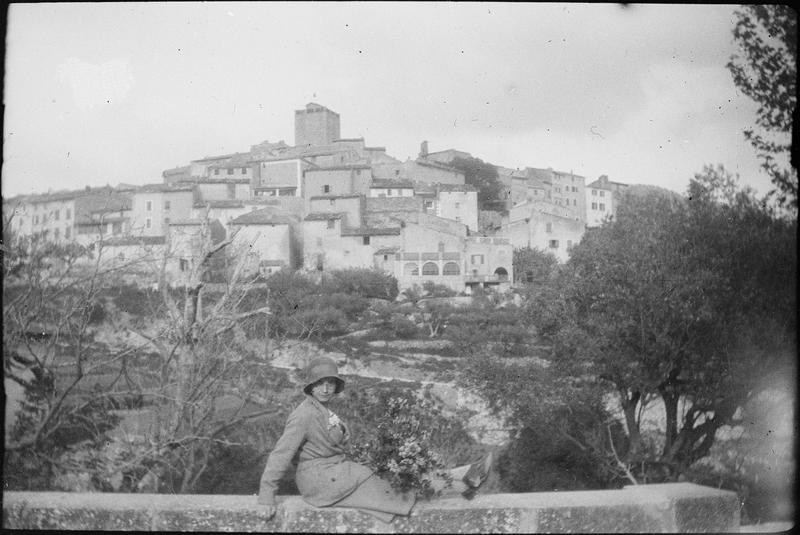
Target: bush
(432,289)
(368,283)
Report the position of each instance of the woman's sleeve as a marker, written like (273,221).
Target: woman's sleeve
(281,456)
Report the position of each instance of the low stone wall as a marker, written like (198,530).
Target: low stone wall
(676,507)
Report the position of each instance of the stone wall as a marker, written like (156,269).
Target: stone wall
(667,508)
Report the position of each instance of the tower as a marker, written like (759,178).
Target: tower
(315,125)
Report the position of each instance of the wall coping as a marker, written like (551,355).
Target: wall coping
(663,508)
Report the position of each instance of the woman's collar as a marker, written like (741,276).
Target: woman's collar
(315,402)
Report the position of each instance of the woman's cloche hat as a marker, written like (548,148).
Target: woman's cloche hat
(320,368)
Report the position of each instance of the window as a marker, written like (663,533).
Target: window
(428,205)
(244,170)
(149,206)
(184,264)
(575,189)
(116,228)
(602,193)
(553,244)
(458,205)
(166,221)
(333,201)
(331,223)
(68,214)
(67,232)
(56,214)
(385,257)
(549,227)
(230,171)
(594,206)
(56,233)
(365,240)
(574,202)
(166,205)
(326,188)
(602,206)
(594,192)
(216,171)
(451,268)
(388,192)
(148,223)
(429,269)
(477,259)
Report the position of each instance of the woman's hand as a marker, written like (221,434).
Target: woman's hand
(270,510)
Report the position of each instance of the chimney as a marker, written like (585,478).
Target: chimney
(423,149)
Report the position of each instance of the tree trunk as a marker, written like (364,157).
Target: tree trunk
(629,406)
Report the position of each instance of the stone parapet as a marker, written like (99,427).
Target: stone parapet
(666,508)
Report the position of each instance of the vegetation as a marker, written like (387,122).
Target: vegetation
(484,177)
(766,71)
(687,302)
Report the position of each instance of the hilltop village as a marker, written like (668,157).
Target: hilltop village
(326,203)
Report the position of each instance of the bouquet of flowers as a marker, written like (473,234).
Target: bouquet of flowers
(399,451)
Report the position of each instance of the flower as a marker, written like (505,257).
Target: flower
(333,420)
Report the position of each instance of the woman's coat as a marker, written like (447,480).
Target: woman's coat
(323,475)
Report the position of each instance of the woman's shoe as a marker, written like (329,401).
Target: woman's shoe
(478,472)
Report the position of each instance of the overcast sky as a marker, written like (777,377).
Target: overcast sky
(99,93)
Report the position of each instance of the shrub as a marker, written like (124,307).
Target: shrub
(432,289)
(400,450)
(361,281)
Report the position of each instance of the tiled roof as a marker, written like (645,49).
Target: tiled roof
(222,203)
(364,231)
(203,180)
(185,221)
(391,183)
(64,195)
(340,167)
(222,157)
(438,165)
(456,187)
(324,216)
(348,196)
(386,250)
(164,188)
(264,216)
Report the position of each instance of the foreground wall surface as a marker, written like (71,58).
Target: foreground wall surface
(675,507)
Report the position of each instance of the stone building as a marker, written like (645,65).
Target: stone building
(544,226)
(154,206)
(315,125)
(602,197)
(265,241)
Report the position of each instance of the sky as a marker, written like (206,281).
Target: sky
(109,93)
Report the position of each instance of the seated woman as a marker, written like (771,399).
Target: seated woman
(324,476)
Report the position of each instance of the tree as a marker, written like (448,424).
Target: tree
(688,301)
(484,177)
(182,360)
(64,382)
(766,72)
(533,265)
